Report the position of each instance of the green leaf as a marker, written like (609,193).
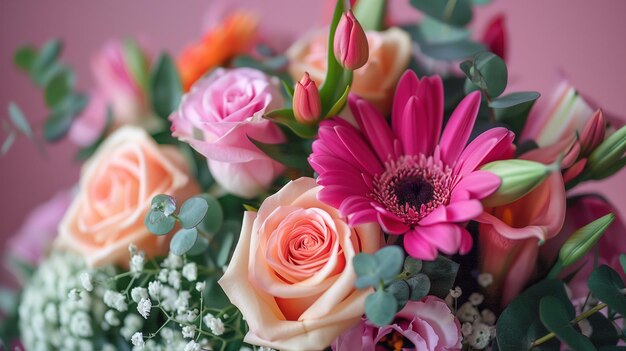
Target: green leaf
(519,324)
(214,217)
(381,307)
(223,243)
(158,223)
(339,105)
(489,73)
(412,265)
(58,88)
(286,154)
(199,247)
(389,261)
(366,269)
(25,57)
(583,239)
(556,317)
(606,285)
(455,12)
(137,63)
(514,99)
(288,89)
(8,142)
(45,61)
(18,119)
(437,32)
(183,241)
(622,261)
(603,331)
(419,285)
(442,273)
(192,212)
(286,118)
(164,203)
(400,291)
(166,89)
(60,121)
(370,14)
(515,116)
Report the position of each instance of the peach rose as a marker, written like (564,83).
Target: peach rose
(390,52)
(291,274)
(116,189)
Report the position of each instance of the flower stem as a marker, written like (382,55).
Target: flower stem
(582,316)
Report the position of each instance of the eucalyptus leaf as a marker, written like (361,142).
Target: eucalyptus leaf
(57,125)
(164,203)
(45,61)
(556,317)
(58,88)
(286,154)
(165,87)
(7,143)
(607,286)
(24,58)
(380,307)
(183,241)
(603,332)
(442,274)
(19,120)
(158,223)
(389,261)
(514,99)
(419,285)
(199,247)
(214,218)
(366,269)
(400,291)
(622,261)
(192,212)
(455,12)
(490,73)
(412,265)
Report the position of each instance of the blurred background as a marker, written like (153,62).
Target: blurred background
(583,39)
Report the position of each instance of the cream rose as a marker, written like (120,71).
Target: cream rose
(116,189)
(291,274)
(389,55)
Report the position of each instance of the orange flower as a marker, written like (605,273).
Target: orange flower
(220,44)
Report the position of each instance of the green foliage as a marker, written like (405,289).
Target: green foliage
(442,273)
(290,154)
(515,116)
(419,286)
(400,291)
(412,266)
(164,203)
(384,265)
(192,212)
(19,121)
(381,307)
(63,114)
(158,223)
(214,218)
(137,63)
(622,262)
(520,324)
(603,332)
(223,242)
(165,87)
(487,72)
(608,158)
(514,99)
(556,317)
(44,64)
(454,12)
(606,285)
(24,58)
(286,118)
(59,87)
(183,241)
(370,14)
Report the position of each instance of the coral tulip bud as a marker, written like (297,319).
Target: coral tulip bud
(307,106)
(519,177)
(593,133)
(608,155)
(350,45)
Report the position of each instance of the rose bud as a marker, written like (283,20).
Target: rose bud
(307,105)
(350,45)
(593,133)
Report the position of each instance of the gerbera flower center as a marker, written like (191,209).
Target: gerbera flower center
(413,186)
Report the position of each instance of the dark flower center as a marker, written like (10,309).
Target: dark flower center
(414,191)
(394,341)
(411,187)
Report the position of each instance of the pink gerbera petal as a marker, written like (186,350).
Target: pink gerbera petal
(459,128)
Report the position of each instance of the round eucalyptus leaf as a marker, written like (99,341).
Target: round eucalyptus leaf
(192,212)
(158,223)
(214,218)
(200,246)
(492,72)
(419,285)
(400,290)
(164,203)
(366,269)
(381,307)
(389,261)
(412,265)
(183,241)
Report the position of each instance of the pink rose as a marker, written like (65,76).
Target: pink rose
(427,325)
(218,116)
(291,274)
(35,236)
(116,188)
(91,122)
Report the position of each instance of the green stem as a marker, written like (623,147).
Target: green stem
(582,316)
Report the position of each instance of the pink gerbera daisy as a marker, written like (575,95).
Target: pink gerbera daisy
(411,178)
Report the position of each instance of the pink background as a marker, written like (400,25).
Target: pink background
(583,38)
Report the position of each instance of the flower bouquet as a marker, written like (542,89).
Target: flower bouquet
(370,188)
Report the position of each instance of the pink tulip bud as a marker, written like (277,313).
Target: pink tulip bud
(350,45)
(593,133)
(307,105)
(495,37)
